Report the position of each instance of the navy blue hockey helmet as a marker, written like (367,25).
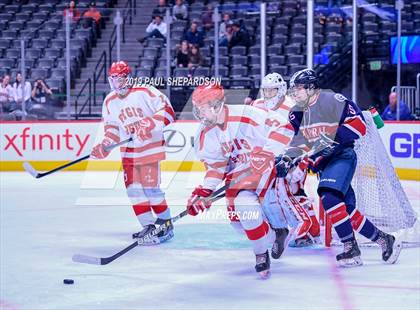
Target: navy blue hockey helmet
(306,77)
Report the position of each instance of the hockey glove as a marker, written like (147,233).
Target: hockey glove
(283,165)
(261,161)
(144,131)
(197,202)
(299,172)
(99,151)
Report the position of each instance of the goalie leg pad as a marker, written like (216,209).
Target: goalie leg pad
(273,211)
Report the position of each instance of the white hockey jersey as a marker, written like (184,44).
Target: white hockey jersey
(121,116)
(283,108)
(226,149)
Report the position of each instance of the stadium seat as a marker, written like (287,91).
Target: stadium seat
(7,63)
(147,63)
(239,60)
(143,72)
(238,71)
(33,53)
(223,71)
(181,72)
(52,53)
(39,43)
(46,63)
(150,53)
(201,71)
(238,51)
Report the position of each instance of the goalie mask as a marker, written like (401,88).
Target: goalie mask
(117,77)
(208,101)
(273,88)
(304,85)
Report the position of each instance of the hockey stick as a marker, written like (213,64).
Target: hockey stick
(31,170)
(86,259)
(220,193)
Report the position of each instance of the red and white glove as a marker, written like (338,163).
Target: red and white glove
(298,173)
(99,151)
(196,203)
(261,161)
(144,132)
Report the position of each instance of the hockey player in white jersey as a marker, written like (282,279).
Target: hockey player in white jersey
(142,113)
(273,91)
(237,142)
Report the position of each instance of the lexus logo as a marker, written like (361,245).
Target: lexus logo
(175,140)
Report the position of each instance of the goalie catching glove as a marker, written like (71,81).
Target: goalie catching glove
(197,202)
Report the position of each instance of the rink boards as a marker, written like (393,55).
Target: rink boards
(47,144)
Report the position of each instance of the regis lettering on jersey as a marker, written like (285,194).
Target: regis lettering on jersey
(130,112)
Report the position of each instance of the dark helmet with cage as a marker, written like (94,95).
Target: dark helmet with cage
(303,86)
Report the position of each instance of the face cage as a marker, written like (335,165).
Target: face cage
(118,83)
(273,96)
(215,106)
(292,92)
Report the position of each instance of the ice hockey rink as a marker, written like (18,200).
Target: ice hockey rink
(44,222)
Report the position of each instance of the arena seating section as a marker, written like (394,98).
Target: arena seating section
(41,24)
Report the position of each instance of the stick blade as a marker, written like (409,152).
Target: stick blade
(86,259)
(31,170)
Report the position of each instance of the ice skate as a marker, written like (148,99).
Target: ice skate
(144,237)
(278,245)
(351,255)
(262,265)
(391,247)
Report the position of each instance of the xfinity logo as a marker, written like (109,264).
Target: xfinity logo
(405,145)
(39,142)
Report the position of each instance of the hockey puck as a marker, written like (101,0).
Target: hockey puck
(68,281)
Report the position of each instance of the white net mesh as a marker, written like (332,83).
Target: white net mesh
(379,194)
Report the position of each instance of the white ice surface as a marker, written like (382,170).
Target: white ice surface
(207,265)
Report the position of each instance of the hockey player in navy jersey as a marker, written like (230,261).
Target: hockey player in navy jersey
(329,123)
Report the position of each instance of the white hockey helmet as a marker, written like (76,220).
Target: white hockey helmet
(273,81)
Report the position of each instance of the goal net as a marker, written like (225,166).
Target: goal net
(379,193)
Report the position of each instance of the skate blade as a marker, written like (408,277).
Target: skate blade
(396,250)
(350,262)
(264,274)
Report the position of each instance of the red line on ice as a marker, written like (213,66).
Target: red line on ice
(341,286)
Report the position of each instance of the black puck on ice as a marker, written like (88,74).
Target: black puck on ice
(68,281)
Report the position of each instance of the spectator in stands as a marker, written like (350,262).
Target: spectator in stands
(160,9)
(6,94)
(223,26)
(41,93)
(179,10)
(21,94)
(93,13)
(227,37)
(156,29)
(240,35)
(194,36)
(182,57)
(207,18)
(195,59)
(72,11)
(390,112)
